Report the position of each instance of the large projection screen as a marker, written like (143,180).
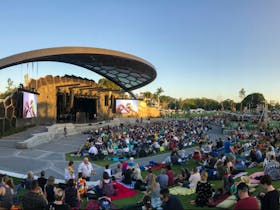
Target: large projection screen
(126,106)
(29,105)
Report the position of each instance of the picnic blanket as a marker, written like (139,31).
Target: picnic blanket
(158,166)
(253,177)
(240,174)
(227,203)
(181,191)
(219,200)
(130,186)
(116,159)
(122,192)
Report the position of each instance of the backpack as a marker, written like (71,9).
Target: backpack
(108,188)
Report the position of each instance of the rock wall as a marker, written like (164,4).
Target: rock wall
(47,87)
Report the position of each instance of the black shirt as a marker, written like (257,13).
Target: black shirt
(173,203)
(33,201)
(42,181)
(270,201)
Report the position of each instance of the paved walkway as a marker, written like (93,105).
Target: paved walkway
(51,156)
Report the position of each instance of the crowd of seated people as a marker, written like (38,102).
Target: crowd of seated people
(220,159)
(141,141)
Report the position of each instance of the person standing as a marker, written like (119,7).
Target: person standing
(65,131)
(270,199)
(49,189)
(86,169)
(69,171)
(245,202)
(42,180)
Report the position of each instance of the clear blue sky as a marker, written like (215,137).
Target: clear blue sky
(200,48)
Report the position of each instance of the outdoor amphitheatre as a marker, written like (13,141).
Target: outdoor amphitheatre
(107,148)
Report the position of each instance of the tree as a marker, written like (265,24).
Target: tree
(157,94)
(253,100)
(242,93)
(165,101)
(9,89)
(147,95)
(10,85)
(228,104)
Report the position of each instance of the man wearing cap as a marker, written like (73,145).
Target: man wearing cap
(246,202)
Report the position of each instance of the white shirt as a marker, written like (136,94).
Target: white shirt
(93,150)
(85,169)
(109,171)
(194,178)
(67,175)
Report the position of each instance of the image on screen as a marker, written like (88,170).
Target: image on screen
(29,105)
(125,106)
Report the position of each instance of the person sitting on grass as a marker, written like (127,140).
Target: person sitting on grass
(219,166)
(245,202)
(106,185)
(58,202)
(154,191)
(203,191)
(72,197)
(197,154)
(162,179)
(170,201)
(227,181)
(127,176)
(193,180)
(137,173)
(272,168)
(270,199)
(117,173)
(108,170)
(6,193)
(35,198)
(170,175)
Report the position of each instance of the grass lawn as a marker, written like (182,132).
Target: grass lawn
(187,199)
(184,199)
(68,157)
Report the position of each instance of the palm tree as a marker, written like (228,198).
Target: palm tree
(147,96)
(242,93)
(157,94)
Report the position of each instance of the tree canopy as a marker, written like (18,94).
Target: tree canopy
(253,100)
